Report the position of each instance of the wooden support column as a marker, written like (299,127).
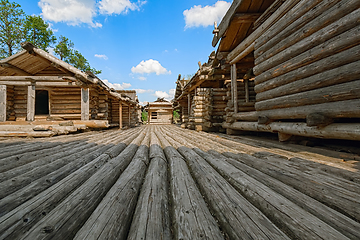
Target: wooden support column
(189,105)
(85,104)
(234,87)
(30,111)
(129,115)
(3,103)
(120,115)
(246,84)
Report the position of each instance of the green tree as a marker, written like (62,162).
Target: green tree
(64,48)
(11,27)
(66,52)
(80,62)
(37,32)
(144,116)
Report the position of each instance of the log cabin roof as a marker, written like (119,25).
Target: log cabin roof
(34,64)
(238,23)
(152,181)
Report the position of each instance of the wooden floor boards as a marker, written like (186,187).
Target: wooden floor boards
(164,182)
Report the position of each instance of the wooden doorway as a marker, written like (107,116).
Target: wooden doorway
(42,102)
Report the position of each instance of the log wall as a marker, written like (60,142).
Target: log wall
(66,103)
(20,99)
(10,97)
(307,70)
(314,60)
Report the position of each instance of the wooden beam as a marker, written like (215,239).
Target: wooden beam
(120,115)
(189,104)
(38,83)
(38,78)
(234,87)
(245,17)
(85,104)
(3,103)
(30,111)
(248,44)
(346,131)
(15,69)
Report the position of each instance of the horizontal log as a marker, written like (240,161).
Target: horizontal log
(346,131)
(324,38)
(337,44)
(247,46)
(339,59)
(341,109)
(338,92)
(312,21)
(342,74)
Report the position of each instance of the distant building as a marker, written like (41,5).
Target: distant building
(160,112)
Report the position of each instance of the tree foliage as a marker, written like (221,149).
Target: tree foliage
(16,27)
(37,32)
(11,27)
(64,48)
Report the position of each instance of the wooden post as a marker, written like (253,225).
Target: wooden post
(2,103)
(234,87)
(189,105)
(120,115)
(246,83)
(30,111)
(85,104)
(129,116)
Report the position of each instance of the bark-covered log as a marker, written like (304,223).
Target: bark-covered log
(58,223)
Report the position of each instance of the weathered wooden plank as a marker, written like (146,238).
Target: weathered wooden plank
(3,103)
(237,217)
(30,110)
(58,224)
(191,217)
(85,101)
(112,217)
(151,218)
(13,224)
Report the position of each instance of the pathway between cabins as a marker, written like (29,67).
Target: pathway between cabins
(164,182)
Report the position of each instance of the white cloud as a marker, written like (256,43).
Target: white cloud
(142,78)
(117,86)
(141,91)
(74,12)
(205,16)
(168,96)
(118,6)
(101,56)
(150,66)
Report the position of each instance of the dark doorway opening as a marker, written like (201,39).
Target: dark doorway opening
(41,102)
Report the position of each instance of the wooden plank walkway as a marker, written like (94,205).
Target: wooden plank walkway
(164,182)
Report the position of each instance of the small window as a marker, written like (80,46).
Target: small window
(153,115)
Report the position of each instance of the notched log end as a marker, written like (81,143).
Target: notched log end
(318,120)
(29,47)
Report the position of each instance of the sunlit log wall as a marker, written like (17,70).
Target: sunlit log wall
(307,68)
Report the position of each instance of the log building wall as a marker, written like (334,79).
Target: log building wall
(312,61)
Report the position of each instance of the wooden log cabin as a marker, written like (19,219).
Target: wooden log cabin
(301,62)
(38,88)
(202,100)
(160,112)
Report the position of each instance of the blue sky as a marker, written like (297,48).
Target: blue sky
(138,44)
